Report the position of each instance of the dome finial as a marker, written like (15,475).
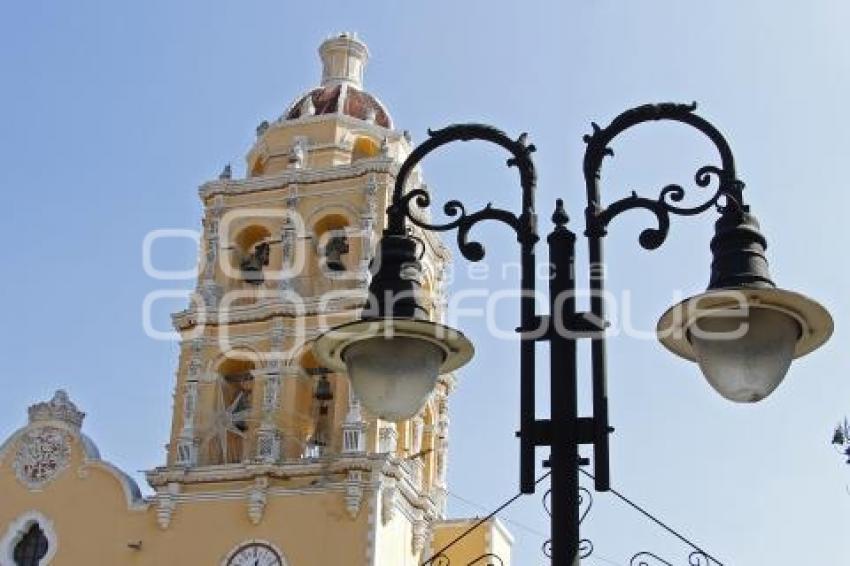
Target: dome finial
(344,57)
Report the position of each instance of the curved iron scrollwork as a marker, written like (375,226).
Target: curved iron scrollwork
(728,186)
(585,502)
(645,558)
(488,559)
(401,208)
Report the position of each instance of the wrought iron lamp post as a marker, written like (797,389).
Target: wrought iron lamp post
(743,331)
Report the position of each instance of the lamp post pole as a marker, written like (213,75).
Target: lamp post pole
(782,323)
(564,456)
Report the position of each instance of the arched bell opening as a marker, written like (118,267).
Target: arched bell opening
(250,260)
(321,395)
(334,245)
(231,416)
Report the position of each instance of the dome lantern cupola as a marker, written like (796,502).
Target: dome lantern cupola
(343,59)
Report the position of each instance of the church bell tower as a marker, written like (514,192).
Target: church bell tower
(271,459)
(285,255)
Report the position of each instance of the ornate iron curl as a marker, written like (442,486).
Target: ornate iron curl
(584,495)
(646,558)
(728,186)
(585,548)
(443,560)
(524,225)
(640,559)
(585,502)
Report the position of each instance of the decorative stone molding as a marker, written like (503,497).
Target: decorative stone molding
(187,443)
(367,228)
(160,477)
(268,444)
(16,531)
(372,528)
(288,239)
(420,536)
(442,463)
(388,438)
(353,428)
(257,498)
(209,290)
(211,293)
(298,153)
(440,497)
(187,451)
(389,496)
(59,408)
(353,300)
(271,392)
(194,368)
(418,431)
(211,255)
(443,417)
(353,492)
(43,453)
(190,403)
(417,471)
(278,337)
(353,436)
(300,176)
(370,191)
(166,504)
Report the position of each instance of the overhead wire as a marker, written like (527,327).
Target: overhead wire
(510,501)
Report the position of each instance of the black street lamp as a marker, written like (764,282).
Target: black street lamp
(743,331)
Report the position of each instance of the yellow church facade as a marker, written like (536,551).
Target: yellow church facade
(271,459)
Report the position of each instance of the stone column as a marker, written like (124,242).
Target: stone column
(288,241)
(387,438)
(353,428)
(268,435)
(187,444)
(367,229)
(209,289)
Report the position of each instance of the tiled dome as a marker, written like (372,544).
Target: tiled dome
(340,98)
(344,58)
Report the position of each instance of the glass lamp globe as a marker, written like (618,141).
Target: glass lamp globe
(744,340)
(393,377)
(393,364)
(745,358)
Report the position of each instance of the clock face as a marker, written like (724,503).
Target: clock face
(255,554)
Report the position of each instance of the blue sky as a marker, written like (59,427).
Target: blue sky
(113,113)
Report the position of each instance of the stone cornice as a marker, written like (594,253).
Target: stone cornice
(248,471)
(299,177)
(189,318)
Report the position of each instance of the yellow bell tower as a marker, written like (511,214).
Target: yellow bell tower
(286,255)
(271,459)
